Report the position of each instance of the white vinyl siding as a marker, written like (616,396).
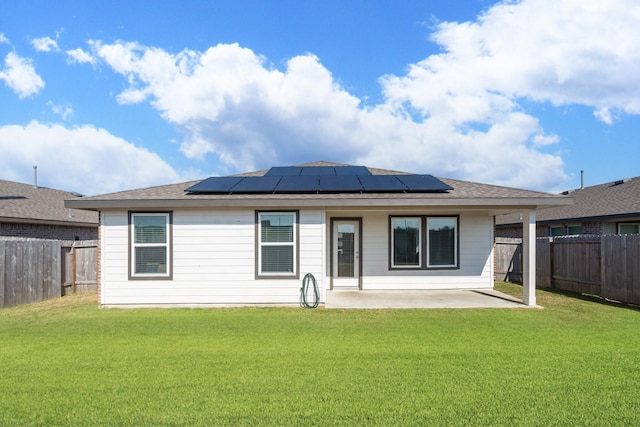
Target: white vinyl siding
(214,261)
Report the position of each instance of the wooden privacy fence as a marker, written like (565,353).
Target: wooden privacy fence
(607,266)
(33,270)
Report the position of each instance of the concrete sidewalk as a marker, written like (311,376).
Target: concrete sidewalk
(483,298)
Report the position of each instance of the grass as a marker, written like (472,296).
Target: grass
(67,362)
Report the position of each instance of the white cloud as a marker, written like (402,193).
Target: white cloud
(45,44)
(543,140)
(80,56)
(563,52)
(3,39)
(458,113)
(20,76)
(64,111)
(604,115)
(73,159)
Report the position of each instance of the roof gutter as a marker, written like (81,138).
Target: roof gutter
(11,220)
(484,203)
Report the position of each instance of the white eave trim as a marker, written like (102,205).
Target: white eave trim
(475,203)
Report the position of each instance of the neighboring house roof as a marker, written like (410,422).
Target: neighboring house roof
(463,194)
(25,203)
(616,199)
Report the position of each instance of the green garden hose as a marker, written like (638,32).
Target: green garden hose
(304,291)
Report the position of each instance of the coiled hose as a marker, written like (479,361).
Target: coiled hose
(304,290)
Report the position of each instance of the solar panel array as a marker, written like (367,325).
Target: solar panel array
(319,179)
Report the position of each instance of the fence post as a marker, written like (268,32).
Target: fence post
(72,267)
(603,274)
(551,264)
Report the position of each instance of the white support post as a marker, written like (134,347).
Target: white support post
(529,257)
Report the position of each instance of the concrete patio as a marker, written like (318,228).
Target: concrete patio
(484,298)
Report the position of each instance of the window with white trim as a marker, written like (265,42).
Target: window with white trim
(406,240)
(628,228)
(277,243)
(150,247)
(574,229)
(556,230)
(442,242)
(423,242)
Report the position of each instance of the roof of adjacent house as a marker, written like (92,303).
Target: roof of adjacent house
(463,193)
(616,199)
(27,203)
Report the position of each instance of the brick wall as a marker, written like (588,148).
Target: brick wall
(515,232)
(593,227)
(55,232)
(510,232)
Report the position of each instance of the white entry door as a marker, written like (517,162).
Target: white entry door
(346,253)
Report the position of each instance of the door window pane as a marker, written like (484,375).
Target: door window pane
(346,250)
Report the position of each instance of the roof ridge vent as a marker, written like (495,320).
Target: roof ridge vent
(618,182)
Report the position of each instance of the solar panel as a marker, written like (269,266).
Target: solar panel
(298,184)
(217,184)
(318,170)
(319,179)
(340,183)
(423,183)
(256,184)
(284,171)
(380,183)
(352,170)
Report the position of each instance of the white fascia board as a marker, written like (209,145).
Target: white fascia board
(475,203)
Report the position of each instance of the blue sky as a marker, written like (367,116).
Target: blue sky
(108,96)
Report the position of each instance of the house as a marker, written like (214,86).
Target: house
(250,239)
(610,208)
(38,212)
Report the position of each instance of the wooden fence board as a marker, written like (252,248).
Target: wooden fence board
(608,266)
(576,264)
(633,265)
(3,269)
(621,279)
(508,265)
(31,270)
(11,297)
(543,263)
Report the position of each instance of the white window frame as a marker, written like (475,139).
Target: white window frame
(637,224)
(569,232)
(455,242)
(556,227)
(293,244)
(393,243)
(167,274)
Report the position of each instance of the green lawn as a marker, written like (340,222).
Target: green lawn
(67,362)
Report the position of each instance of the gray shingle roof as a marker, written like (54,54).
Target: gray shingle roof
(26,203)
(464,193)
(618,198)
